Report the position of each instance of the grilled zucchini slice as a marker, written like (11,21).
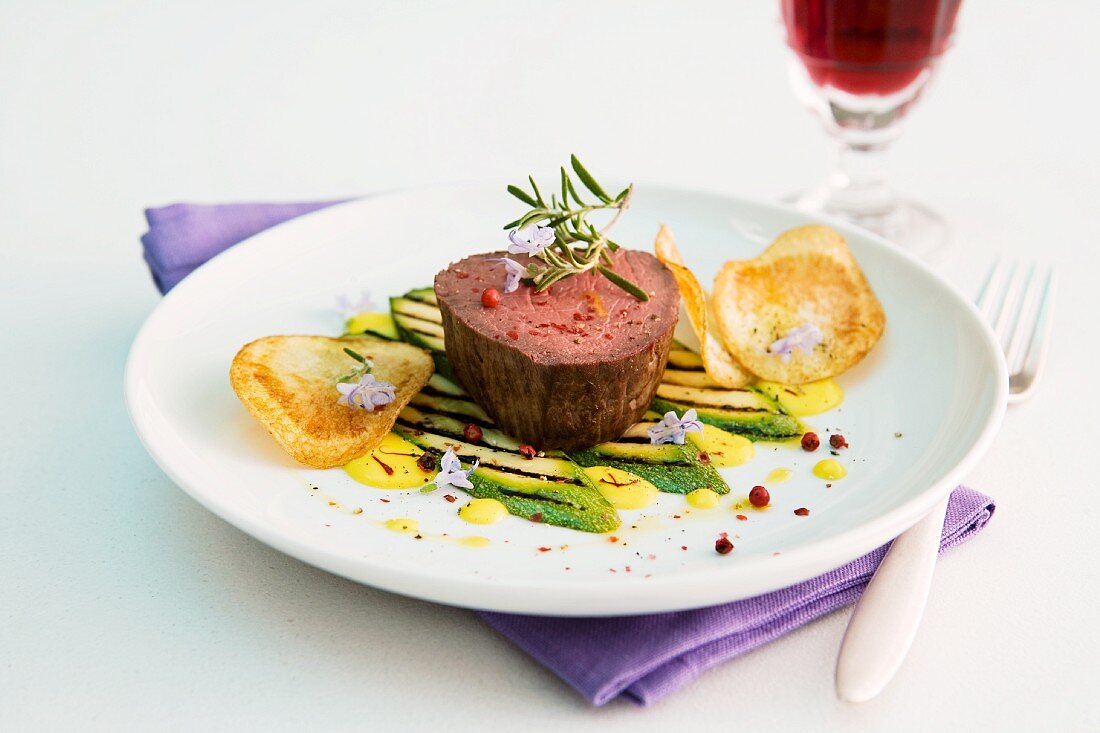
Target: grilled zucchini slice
(746,412)
(675,469)
(549,489)
(419,322)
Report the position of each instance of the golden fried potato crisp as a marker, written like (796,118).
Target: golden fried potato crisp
(288,383)
(719,365)
(799,312)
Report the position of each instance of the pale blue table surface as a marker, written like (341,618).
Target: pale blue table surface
(125,606)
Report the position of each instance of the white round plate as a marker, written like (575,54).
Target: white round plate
(937,378)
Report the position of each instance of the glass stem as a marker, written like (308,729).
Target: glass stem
(857,185)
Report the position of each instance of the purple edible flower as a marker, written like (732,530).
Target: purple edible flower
(451,472)
(531,240)
(349,308)
(368,393)
(672,429)
(804,338)
(514,271)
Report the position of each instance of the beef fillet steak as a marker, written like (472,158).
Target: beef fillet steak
(569,367)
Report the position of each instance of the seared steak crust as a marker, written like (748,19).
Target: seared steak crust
(567,368)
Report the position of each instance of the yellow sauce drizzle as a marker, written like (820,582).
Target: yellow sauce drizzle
(725,449)
(378,322)
(483,511)
(411,528)
(403,525)
(624,490)
(778,476)
(830,469)
(703,499)
(801,400)
(392,465)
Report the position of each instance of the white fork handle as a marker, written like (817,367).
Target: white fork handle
(886,618)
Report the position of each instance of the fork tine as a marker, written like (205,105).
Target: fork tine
(1036,354)
(1006,305)
(990,289)
(1026,313)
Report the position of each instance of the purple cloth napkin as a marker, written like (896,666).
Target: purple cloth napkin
(183,236)
(641,657)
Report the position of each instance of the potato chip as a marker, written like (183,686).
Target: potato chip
(719,365)
(288,383)
(799,312)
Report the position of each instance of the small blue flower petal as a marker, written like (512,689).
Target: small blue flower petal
(531,240)
(672,429)
(367,394)
(804,338)
(349,307)
(513,273)
(451,472)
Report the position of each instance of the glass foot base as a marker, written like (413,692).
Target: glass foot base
(911,226)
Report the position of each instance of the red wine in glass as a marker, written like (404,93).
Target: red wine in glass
(868,46)
(861,65)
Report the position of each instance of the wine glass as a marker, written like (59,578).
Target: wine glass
(861,65)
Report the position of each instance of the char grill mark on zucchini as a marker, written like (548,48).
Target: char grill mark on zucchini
(416,336)
(418,319)
(446,423)
(422,295)
(544,489)
(419,326)
(421,311)
(371,334)
(542,497)
(688,378)
(442,385)
(671,468)
(566,505)
(433,391)
(441,395)
(456,407)
(747,411)
(424,330)
(419,322)
(763,420)
(437,432)
(736,399)
(681,358)
(527,484)
(468,452)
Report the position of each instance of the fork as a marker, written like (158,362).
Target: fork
(1019,307)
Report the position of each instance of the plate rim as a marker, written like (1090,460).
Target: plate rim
(650,596)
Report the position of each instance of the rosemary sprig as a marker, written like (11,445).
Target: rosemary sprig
(578,245)
(364,367)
